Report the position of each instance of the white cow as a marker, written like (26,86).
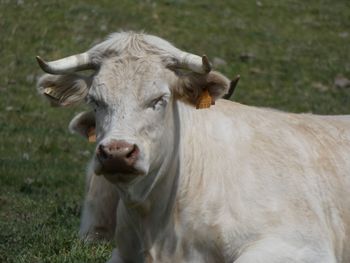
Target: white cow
(98,218)
(231,183)
(99,212)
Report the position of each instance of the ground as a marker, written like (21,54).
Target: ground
(288,53)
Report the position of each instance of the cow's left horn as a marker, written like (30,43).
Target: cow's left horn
(67,65)
(195,63)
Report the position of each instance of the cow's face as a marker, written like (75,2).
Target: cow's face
(133,100)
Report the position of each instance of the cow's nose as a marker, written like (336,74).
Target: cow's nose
(117,156)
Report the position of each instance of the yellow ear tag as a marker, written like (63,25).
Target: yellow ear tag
(205,100)
(91,133)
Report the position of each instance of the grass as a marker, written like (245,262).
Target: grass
(283,51)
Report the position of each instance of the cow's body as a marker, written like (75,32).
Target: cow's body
(231,183)
(250,180)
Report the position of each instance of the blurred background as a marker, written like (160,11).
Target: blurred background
(292,55)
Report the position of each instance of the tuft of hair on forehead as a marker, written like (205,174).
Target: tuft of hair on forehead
(63,90)
(134,44)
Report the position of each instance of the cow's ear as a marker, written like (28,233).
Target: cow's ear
(64,90)
(84,124)
(192,85)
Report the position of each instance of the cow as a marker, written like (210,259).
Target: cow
(98,219)
(101,200)
(228,183)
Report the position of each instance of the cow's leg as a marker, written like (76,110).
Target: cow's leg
(129,247)
(276,250)
(98,219)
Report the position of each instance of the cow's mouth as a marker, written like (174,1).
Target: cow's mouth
(116,171)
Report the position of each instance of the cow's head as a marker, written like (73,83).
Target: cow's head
(135,82)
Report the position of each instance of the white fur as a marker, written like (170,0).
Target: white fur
(273,188)
(251,188)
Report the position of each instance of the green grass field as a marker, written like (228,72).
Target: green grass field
(288,54)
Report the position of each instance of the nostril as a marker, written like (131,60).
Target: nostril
(102,152)
(129,154)
(133,153)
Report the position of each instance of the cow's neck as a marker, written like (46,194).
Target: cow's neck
(150,202)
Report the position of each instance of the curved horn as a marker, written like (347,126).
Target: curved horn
(179,58)
(232,88)
(66,65)
(195,63)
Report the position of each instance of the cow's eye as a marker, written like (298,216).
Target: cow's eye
(93,103)
(159,102)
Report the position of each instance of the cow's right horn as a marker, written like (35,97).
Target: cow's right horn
(67,65)
(195,63)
